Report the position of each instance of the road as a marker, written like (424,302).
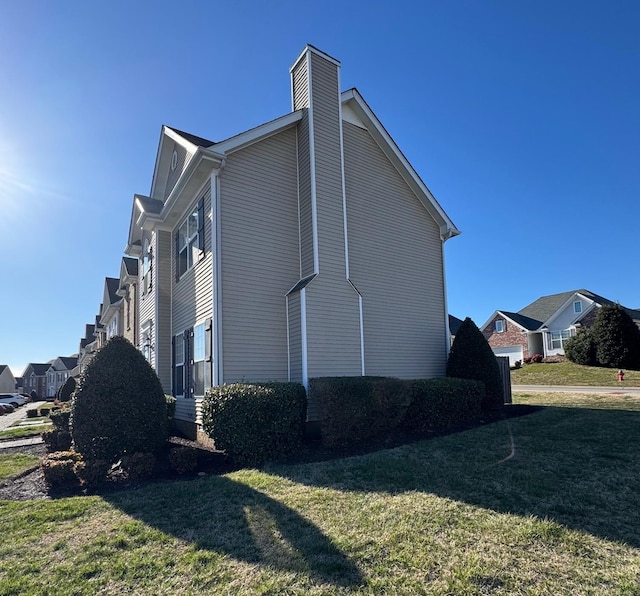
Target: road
(617,390)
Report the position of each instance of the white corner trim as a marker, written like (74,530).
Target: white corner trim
(216,246)
(312,173)
(303,338)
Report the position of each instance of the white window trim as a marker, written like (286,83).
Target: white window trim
(499,326)
(577,307)
(189,242)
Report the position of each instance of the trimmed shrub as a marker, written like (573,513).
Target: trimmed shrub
(183,459)
(119,407)
(60,419)
(581,348)
(255,422)
(617,338)
(91,473)
(56,440)
(32,413)
(537,358)
(64,391)
(45,411)
(34,395)
(471,357)
(58,469)
(138,465)
(440,403)
(356,409)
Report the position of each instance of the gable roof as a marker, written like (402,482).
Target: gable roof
(130,266)
(38,368)
(2,367)
(527,323)
(195,140)
(545,306)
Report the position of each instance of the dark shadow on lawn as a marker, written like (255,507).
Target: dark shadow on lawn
(579,467)
(221,515)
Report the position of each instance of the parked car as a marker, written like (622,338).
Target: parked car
(15,399)
(6,408)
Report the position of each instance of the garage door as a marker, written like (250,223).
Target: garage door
(512,352)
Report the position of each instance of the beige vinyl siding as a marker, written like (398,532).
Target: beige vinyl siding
(260,257)
(300,82)
(184,157)
(332,304)
(163,322)
(295,337)
(395,260)
(307,258)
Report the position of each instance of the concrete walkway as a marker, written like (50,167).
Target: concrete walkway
(7,420)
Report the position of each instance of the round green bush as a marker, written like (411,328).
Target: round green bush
(617,338)
(119,407)
(581,348)
(471,357)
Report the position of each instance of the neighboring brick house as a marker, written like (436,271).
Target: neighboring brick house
(35,378)
(545,325)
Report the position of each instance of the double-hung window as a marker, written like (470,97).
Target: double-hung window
(499,326)
(190,240)
(557,339)
(192,361)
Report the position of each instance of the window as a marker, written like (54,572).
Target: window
(192,361)
(198,360)
(190,240)
(499,326)
(178,373)
(557,339)
(147,254)
(577,307)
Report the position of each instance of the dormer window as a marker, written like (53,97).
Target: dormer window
(499,326)
(577,307)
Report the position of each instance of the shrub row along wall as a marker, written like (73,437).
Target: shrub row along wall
(257,422)
(356,409)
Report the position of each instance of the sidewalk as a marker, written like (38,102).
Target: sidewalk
(8,420)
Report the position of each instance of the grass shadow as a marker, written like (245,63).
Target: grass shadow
(577,466)
(221,515)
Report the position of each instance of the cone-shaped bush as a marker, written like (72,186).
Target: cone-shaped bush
(119,407)
(617,338)
(64,391)
(471,357)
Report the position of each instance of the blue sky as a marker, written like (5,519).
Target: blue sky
(522,118)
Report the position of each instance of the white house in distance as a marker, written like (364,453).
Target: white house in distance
(7,379)
(305,247)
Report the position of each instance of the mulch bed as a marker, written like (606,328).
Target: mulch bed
(31,485)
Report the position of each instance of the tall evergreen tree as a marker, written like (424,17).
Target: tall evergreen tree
(617,338)
(471,357)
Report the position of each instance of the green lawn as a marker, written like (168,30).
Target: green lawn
(15,464)
(20,432)
(568,373)
(541,504)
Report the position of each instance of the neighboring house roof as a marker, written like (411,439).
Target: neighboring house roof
(2,367)
(544,307)
(69,361)
(112,285)
(526,322)
(39,369)
(130,266)
(199,141)
(454,324)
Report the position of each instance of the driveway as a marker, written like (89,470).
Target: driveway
(8,419)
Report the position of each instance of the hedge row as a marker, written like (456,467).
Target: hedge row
(357,409)
(257,422)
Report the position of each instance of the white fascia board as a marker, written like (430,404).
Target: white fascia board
(173,135)
(258,133)
(134,231)
(201,166)
(489,320)
(313,50)
(501,313)
(569,301)
(400,162)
